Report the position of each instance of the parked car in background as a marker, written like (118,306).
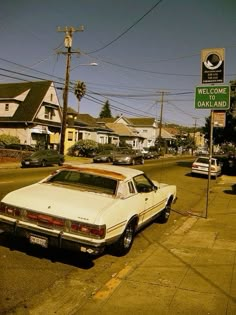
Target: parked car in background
(87,207)
(201,166)
(150,155)
(43,158)
(103,157)
(128,157)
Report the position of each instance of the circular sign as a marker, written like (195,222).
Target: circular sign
(213,61)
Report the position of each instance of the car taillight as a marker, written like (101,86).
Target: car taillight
(10,210)
(97,231)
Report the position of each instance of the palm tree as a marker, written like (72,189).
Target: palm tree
(80,90)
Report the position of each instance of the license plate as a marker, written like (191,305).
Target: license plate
(41,241)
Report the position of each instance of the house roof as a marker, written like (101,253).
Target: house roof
(165,134)
(123,130)
(106,120)
(29,107)
(142,121)
(88,119)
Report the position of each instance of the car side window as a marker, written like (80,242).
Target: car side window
(131,188)
(142,184)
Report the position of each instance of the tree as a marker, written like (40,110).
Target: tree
(80,90)
(225,134)
(106,111)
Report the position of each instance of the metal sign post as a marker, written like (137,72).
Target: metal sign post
(209,168)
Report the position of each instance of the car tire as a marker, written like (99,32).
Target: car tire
(124,244)
(43,163)
(60,163)
(142,161)
(133,162)
(165,214)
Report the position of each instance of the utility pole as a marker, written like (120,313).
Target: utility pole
(160,123)
(194,132)
(68,44)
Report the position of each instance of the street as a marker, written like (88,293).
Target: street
(27,271)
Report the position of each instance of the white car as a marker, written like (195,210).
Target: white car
(86,207)
(201,166)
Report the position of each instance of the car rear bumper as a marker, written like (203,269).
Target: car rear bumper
(204,172)
(45,238)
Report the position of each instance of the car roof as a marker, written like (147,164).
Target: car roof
(204,158)
(116,172)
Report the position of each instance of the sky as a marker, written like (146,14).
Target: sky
(148,53)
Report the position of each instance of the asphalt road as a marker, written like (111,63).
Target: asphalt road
(28,272)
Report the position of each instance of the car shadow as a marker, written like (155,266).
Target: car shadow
(55,255)
(185,163)
(231,192)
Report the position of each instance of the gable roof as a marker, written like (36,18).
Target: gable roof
(123,130)
(142,121)
(88,119)
(165,134)
(29,107)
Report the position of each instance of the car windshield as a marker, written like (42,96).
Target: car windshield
(85,181)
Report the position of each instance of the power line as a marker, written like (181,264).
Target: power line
(127,30)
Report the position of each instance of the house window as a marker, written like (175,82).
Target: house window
(6,107)
(51,97)
(49,113)
(70,135)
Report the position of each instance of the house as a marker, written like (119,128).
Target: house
(143,130)
(85,127)
(31,111)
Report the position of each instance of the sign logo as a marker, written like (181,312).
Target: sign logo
(212,65)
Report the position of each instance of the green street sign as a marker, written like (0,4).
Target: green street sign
(212,97)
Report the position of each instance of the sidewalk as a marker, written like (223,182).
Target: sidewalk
(192,271)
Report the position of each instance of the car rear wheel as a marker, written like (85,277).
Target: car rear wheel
(124,244)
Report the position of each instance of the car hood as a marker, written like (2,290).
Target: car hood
(60,201)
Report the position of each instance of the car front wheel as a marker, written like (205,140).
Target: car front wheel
(60,163)
(124,244)
(164,216)
(43,163)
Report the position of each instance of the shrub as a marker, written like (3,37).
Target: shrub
(8,139)
(83,148)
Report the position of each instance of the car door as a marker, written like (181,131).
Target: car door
(51,157)
(147,196)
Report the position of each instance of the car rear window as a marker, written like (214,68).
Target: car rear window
(85,181)
(204,161)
